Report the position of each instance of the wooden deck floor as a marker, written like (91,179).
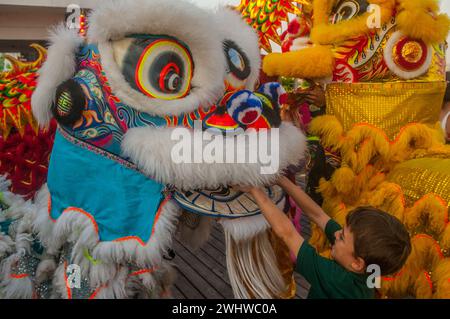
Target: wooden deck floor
(203,274)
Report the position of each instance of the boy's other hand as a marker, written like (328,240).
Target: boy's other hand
(284,182)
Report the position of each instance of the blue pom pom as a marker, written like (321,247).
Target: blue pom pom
(245,107)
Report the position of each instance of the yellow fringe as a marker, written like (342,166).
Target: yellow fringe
(365,144)
(445,240)
(428,215)
(329,129)
(422,287)
(419,19)
(322,9)
(441,280)
(343,179)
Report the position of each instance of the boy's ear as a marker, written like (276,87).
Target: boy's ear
(359,265)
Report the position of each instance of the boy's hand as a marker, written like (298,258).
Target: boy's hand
(283,181)
(309,207)
(279,222)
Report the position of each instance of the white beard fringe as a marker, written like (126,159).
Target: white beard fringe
(253,268)
(251,262)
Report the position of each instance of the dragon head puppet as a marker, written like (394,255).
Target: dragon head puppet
(149,71)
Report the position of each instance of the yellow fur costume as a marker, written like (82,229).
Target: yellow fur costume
(386,65)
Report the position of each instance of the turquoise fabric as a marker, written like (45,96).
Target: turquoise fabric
(123,201)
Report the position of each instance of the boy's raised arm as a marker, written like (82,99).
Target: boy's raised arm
(309,207)
(279,222)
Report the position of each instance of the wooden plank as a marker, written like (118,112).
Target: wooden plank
(176,293)
(213,264)
(192,274)
(184,286)
(216,254)
(218,237)
(205,272)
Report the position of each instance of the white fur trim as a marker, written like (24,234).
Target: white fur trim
(190,24)
(243,229)
(59,67)
(150,148)
(78,229)
(59,284)
(233,27)
(5,183)
(45,270)
(404,74)
(6,245)
(14,288)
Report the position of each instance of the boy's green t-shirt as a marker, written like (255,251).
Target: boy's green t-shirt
(328,279)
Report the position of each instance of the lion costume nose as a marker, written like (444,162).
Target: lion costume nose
(245,107)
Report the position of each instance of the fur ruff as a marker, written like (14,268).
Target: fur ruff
(78,229)
(151,149)
(14,288)
(59,67)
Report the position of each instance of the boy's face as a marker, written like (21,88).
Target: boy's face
(343,251)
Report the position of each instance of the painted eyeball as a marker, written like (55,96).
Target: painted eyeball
(347,9)
(238,64)
(157,66)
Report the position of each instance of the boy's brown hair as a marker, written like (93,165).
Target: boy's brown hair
(379,239)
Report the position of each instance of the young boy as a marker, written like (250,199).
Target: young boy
(369,237)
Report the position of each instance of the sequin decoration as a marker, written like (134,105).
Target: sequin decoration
(388,106)
(419,177)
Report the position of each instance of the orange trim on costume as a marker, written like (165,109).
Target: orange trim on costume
(395,276)
(49,207)
(95,293)
(79,210)
(143,271)
(159,212)
(19,276)
(402,130)
(140,241)
(427,276)
(92,219)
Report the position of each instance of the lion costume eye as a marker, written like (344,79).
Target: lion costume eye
(237,60)
(347,9)
(157,66)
